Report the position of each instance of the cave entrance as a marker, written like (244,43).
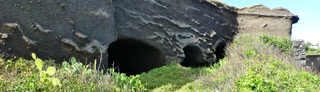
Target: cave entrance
(193,57)
(220,51)
(132,56)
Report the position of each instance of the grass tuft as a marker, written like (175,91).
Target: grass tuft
(172,77)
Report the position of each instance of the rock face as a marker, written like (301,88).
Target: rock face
(259,19)
(193,56)
(132,35)
(172,25)
(57,29)
(132,56)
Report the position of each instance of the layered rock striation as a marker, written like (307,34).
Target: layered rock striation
(132,35)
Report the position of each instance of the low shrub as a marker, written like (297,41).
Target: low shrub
(283,44)
(251,64)
(39,75)
(172,76)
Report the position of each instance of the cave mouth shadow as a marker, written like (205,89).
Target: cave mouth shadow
(132,56)
(193,57)
(220,51)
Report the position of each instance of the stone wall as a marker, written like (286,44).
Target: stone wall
(299,52)
(313,62)
(309,62)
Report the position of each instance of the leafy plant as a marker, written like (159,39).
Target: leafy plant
(275,75)
(127,84)
(48,75)
(267,72)
(38,75)
(284,44)
(311,51)
(251,64)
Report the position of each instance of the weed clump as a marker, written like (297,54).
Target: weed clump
(39,75)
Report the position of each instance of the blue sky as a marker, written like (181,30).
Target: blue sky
(307,28)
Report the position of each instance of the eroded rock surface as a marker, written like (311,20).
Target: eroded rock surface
(171,25)
(259,19)
(56,29)
(135,35)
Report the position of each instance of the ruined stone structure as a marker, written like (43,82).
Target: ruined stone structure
(259,19)
(132,35)
(299,52)
(313,62)
(309,62)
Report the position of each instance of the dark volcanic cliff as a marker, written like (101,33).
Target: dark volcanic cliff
(132,35)
(171,25)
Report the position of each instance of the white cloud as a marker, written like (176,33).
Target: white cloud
(312,36)
(303,14)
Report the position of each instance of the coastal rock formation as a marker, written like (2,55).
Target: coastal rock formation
(132,35)
(56,29)
(172,25)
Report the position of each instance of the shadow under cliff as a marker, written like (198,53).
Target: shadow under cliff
(192,32)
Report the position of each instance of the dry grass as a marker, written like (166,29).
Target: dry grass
(236,64)
(248,61)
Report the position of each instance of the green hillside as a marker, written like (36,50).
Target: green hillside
(251,64)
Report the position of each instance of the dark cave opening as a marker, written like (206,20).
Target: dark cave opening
(220,51)
(193,57)
(132,56)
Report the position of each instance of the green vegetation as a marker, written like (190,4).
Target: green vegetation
(311,51)
(283,44)
(163,77)
(251,64)
(39,75)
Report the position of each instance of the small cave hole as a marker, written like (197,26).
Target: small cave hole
(193,57)
(132,56)
(220,51)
